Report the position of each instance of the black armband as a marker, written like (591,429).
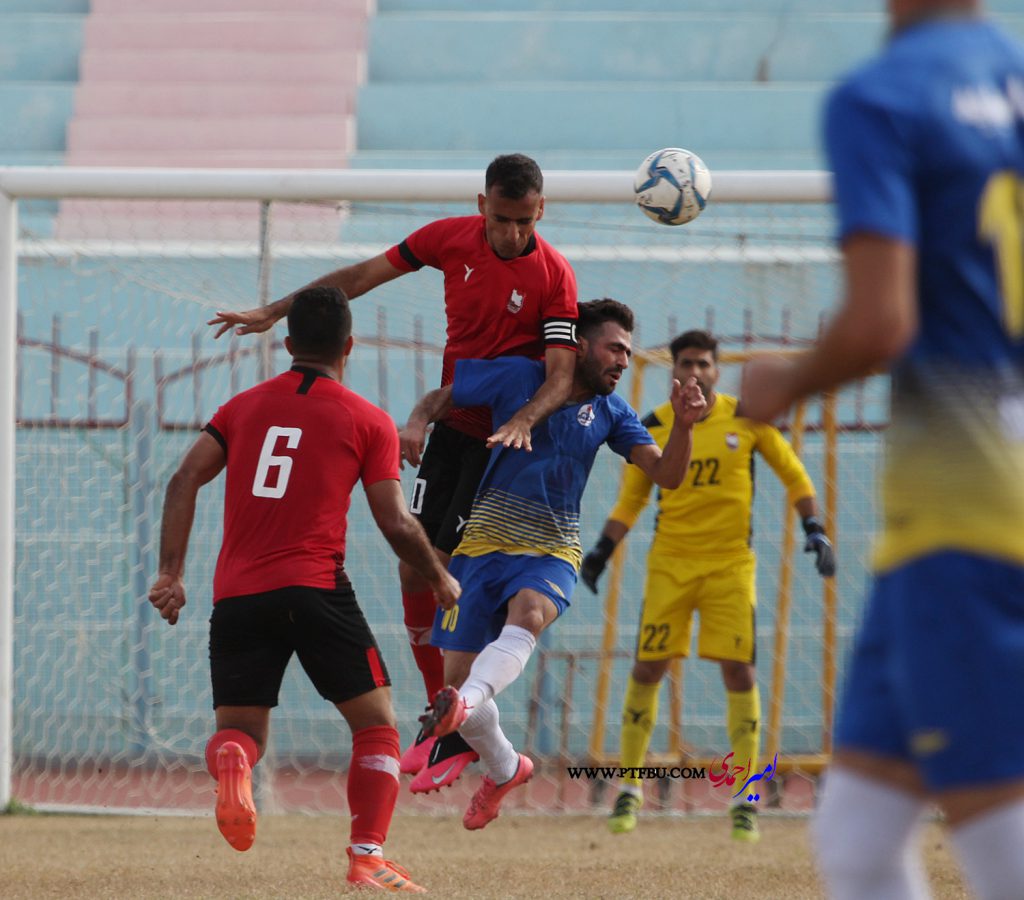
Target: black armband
(812,525)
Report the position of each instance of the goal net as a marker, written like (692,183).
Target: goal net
(109,708)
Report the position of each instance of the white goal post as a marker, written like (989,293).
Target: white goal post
(23,184)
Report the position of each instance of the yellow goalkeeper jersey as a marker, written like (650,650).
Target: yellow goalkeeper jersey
(709,513)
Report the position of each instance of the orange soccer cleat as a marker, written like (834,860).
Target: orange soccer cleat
(377,872)
(486,802)
(236,812)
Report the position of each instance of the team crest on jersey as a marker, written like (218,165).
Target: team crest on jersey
(732,440)
(515,302)
(585,416)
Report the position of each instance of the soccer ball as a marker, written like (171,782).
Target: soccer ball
(672,186)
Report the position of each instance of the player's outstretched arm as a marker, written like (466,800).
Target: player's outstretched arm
(817,541)
(667,468)
(560,363)
(409,541)
(596,560)
(201,464)
(431,407)
(353,280)
(875,324)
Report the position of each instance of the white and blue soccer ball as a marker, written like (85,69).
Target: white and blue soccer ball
(672,186)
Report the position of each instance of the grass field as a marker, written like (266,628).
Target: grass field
(517,856)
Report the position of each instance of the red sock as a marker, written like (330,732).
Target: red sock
(420,607)
(222,737)
(373,783)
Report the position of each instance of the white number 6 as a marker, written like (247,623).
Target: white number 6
(260,488)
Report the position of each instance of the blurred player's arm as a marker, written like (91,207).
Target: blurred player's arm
(201,464)
(875,324)
(354,280)
(408,539)
(432,407)
(559,365)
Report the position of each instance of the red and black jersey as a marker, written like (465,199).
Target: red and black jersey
(296,445)
(495,307)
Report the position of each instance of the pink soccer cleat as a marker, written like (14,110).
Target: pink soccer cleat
(486,802)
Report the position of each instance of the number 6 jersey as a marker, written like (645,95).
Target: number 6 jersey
(296,445)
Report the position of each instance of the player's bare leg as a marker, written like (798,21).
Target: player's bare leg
(372,791)
(231,755)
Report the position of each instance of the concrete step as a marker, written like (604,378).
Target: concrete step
(114,98)
(225,31)
(235,66)
(206,133)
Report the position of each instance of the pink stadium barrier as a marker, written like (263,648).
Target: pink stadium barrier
(346,8)
(222,67)
(150,132)
(225,32)
(112,98)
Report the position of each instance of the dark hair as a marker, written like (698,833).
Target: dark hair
(702,340)
(515,174)
(594,313)
(319,323)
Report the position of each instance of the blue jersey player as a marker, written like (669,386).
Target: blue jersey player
(520,548)
(927,146)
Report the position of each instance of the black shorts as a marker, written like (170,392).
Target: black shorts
(446,484)
(253,637)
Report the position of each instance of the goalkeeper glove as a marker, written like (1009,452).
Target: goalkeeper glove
(819,544)
(595,561)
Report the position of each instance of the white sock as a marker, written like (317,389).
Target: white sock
(864,836)
(483,734)
(634,790)
(367,850)
(499,664)
(991,852)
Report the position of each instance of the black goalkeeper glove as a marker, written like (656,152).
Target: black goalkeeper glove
(595,561)
(819,544)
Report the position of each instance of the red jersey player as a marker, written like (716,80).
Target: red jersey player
(294,448)
(507,293)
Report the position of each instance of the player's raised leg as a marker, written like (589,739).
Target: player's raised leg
(231,755)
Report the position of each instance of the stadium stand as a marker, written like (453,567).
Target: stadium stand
(600,83)
(263,83)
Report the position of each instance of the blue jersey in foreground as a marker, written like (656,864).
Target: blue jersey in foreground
(927,146)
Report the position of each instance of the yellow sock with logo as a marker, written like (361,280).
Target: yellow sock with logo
(743,720)
(639,716)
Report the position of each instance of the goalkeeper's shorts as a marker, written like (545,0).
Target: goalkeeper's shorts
(723,590)
(937,672)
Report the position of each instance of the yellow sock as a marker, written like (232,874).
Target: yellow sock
(639,716)
(744,724)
